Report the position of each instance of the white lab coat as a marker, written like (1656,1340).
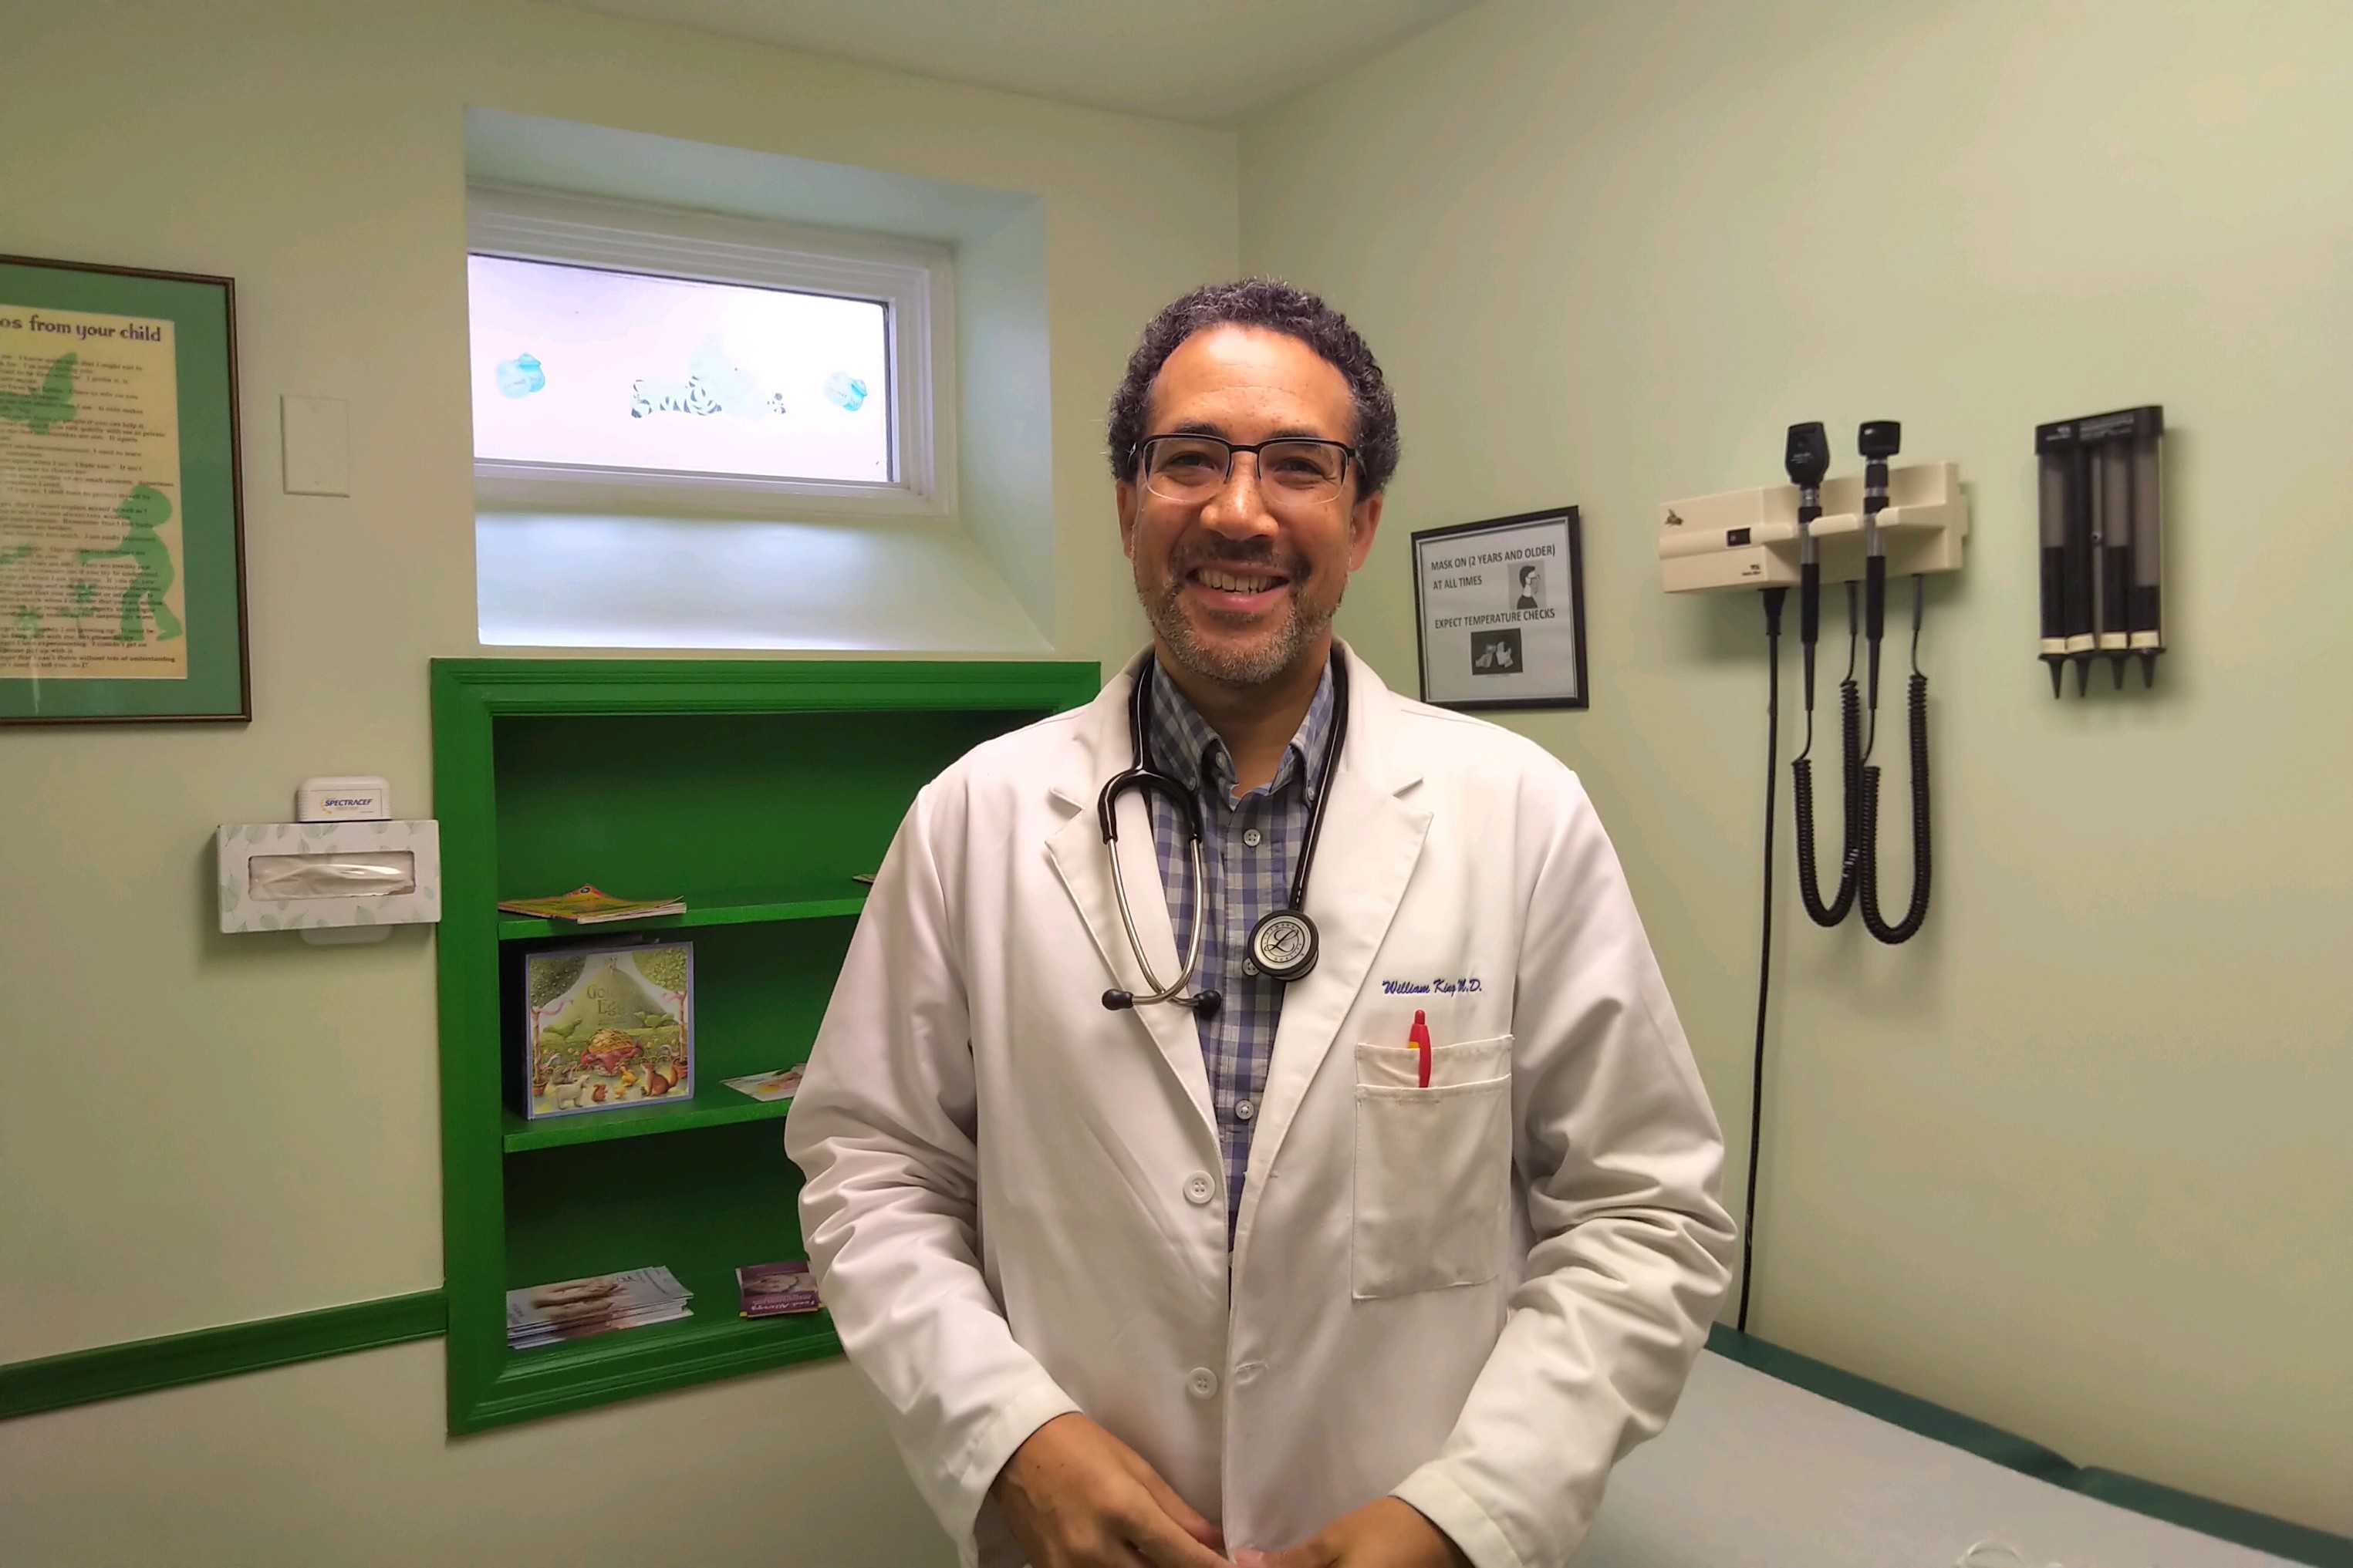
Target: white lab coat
(1476,1296)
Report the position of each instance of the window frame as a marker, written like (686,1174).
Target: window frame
(913,280)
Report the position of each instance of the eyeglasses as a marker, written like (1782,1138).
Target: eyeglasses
(1192,468)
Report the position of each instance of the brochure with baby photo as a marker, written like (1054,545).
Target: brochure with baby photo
(780,1084)
(773,1289)
(599,1304)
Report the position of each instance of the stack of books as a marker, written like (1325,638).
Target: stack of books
(574,1309)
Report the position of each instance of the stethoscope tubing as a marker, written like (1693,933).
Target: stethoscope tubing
(1141,776)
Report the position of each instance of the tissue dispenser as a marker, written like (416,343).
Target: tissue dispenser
(323,875)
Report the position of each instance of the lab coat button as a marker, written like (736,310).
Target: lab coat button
(1202,1383)
(1198,1188)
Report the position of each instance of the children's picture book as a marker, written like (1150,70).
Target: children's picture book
(773,1289)
(607,1027)
(586,905)
(766,1086)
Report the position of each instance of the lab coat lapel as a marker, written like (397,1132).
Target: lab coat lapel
(1101,749)
(1372,839)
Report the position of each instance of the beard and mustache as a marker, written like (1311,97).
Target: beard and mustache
(1249,663)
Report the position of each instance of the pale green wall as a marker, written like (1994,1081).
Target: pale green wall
(2072,1161)
(203,1129)
(2075,1161)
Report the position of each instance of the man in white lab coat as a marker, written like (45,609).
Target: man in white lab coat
(1272,1280)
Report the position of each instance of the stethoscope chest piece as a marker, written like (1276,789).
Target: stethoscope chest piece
(1283,945)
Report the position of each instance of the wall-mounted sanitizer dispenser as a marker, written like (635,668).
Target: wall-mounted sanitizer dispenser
(343,871)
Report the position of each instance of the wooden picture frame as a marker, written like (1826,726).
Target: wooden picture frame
(121,497)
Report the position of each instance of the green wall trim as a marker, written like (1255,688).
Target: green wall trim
(138,1366)
(2240,1526)
(2243,1527)
(1896,1408)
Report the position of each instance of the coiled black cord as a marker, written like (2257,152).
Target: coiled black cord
(1850,769)
(1917,914)
(1802,784)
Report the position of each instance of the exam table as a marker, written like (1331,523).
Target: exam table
(1774,1460)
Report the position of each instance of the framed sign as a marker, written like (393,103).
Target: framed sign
(1499,612)
(121,524)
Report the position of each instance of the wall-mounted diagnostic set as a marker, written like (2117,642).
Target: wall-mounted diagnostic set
(1889,521)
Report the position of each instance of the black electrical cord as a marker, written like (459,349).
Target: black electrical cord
(1773,601)
(1916,915)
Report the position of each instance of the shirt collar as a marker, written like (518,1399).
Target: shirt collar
(1179,734)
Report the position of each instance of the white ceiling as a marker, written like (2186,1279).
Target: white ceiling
(1211,61)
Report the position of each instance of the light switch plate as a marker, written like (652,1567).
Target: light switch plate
(318,444)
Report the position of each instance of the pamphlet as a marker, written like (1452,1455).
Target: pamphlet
(773,1289)
(780,1084)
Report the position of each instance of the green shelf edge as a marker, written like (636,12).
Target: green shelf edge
(554,1380)
(522,1135)
(169,1361)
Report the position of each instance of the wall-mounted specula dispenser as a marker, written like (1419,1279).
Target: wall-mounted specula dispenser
(2102,537)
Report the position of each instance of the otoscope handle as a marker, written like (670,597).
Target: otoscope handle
(1874,597)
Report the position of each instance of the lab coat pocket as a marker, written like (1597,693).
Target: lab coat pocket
(1398,1066)
(1433,1185)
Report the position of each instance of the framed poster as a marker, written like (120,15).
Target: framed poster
(1499,612)
(121,521)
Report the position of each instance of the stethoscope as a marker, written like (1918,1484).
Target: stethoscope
(1284,943)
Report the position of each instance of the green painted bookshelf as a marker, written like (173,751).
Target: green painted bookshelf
(755,789)
(716,1106)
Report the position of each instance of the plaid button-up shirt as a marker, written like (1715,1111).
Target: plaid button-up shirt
(1249,848)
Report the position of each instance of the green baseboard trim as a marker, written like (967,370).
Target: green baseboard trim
(2243,1527)
(2240,1527)
(1898,1409)
(139,1367)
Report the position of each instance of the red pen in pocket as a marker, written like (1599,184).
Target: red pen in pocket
(1420,1040)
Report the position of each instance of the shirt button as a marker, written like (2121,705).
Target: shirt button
(1253,838)
(1201,1383)
(1198,1188)
(1244,1109)
(1249,967)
